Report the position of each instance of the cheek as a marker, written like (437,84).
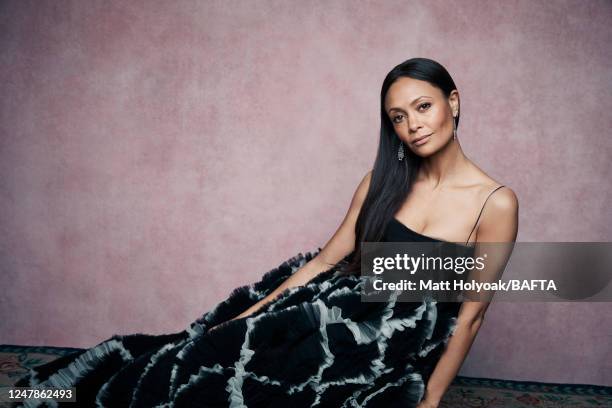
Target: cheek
(438,120)
(401,129)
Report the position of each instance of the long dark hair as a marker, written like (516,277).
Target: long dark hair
(391,180)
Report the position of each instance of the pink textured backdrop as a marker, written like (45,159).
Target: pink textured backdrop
(155,155)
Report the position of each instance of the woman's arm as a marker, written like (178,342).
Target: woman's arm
(499,223)
(337,248)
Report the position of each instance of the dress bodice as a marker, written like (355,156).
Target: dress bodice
(396,231)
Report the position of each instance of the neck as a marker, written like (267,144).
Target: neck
(444,165)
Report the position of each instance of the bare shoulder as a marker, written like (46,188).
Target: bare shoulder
(500,199)
(499,196)
(362,190)
(503,196)
(504,199)
(364,185)
(499,220)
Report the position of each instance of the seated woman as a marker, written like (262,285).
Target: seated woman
(302,336)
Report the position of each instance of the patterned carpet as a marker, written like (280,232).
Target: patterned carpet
(465,392)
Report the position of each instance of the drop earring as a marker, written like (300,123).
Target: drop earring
(454,128)
(400,152)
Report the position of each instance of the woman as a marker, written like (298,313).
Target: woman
(301,336)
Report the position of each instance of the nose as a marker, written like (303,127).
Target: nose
(413,123)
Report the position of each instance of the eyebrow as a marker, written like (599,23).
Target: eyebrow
(411,103)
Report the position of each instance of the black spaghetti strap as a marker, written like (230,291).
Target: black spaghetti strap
(483,206)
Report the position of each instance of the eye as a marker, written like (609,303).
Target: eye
(395,117)
(425,104)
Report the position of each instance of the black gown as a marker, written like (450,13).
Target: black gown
(316,345)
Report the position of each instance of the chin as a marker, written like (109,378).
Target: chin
(425,151)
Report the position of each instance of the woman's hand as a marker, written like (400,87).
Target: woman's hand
(240,316)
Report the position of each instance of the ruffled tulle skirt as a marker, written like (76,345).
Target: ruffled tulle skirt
(317,345)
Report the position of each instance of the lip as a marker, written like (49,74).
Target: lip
(421,140)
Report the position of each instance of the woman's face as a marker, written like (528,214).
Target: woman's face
(416,109)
